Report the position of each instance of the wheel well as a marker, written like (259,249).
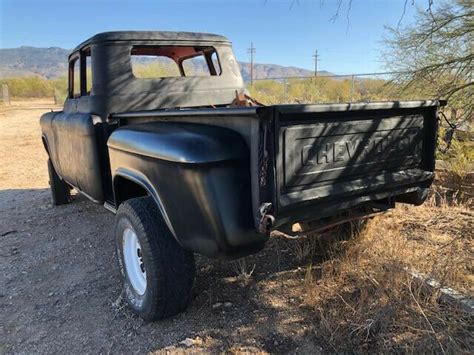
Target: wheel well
(126,189)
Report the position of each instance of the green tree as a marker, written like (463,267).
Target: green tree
(434,55)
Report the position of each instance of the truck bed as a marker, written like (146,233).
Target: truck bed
(312,161)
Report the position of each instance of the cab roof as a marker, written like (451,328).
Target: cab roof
(151,36)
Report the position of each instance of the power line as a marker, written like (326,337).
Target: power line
(251,51)
(333,75)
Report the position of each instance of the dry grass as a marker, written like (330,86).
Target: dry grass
(306,247)
(366,301)
(242,269)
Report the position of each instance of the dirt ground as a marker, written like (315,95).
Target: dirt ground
(60,290)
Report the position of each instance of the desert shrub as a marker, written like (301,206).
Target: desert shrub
(322,90)
(459,156)
(35,87)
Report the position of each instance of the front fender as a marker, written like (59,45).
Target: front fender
(200,177)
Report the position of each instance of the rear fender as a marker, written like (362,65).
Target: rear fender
(199,176)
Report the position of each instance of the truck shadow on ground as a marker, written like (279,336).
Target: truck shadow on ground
(61,289)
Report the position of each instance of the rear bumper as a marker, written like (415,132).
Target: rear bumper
(367,185)
(414,194)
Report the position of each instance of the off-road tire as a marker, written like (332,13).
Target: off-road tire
(60,190)
(169,268)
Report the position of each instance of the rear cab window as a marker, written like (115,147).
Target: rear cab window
(154,62)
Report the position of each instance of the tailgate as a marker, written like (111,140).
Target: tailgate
(330,154)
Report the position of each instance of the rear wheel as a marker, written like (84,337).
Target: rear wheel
(60,190)
(158,274)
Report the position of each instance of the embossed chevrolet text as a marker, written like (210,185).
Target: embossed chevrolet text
(312,155)
(355,149)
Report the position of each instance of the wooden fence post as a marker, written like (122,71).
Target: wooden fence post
(6,94)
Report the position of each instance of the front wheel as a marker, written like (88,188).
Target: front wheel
(158,274)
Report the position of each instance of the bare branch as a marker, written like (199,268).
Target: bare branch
(450,93)
(347,15)
(293,2)
(403,14)
(336,15)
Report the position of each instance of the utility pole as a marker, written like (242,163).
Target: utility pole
(251,51)
(316,58)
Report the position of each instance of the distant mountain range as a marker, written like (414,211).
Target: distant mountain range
(25,61)
(52,62)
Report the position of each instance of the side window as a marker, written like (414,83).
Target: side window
(80,75)
(74,78)
(88,70)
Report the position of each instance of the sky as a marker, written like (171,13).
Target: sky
(284,32)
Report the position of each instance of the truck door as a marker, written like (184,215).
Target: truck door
(76,132)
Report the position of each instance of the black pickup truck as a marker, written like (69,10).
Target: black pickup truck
(190,164)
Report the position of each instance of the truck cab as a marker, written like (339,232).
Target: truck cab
(102,82)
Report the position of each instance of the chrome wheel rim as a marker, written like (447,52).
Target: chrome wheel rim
(134,264)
